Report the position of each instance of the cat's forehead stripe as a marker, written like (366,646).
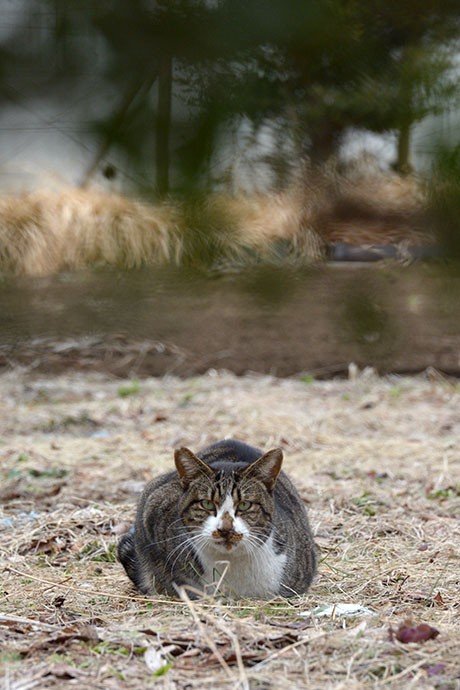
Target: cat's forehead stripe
(224,481)
(226,506)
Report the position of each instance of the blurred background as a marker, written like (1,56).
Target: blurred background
(259,186)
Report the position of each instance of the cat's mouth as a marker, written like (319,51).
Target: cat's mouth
(228,541)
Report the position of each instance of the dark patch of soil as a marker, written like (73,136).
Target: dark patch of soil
(266,319)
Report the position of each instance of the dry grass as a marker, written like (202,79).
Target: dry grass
(260,220)
(375,459)
(44,232)
(370,208)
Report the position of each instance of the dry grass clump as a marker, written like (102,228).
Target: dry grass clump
(370,207)
(45,232)
(260,221)
(375,459)
(118,231)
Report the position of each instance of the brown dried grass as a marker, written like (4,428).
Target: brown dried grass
(260,220)
(44,232)
(370,208)
(375,459)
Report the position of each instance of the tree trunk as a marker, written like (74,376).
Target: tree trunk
(163,124)
(323,142)
(403,163)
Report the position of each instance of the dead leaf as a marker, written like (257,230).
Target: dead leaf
(51,545)
(189,653)
(408,632)
(438,599)
(231,659)
(85,632)
(77,545)
(15,626)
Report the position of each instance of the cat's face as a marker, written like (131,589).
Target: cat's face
(228,507)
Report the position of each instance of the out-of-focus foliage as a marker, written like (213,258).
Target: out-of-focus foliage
(444,202)
(315,66)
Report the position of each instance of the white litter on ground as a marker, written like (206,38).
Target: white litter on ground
(339,610)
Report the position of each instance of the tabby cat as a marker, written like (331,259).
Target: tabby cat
(227,514)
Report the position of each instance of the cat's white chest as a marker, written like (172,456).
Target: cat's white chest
(256,574)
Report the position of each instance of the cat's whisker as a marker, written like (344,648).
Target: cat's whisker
(186,550)
(163,541)
(257,538)
(249,547)
(188,540)
(184,542)
(192,544)
(187,547)
(256,546)
(255,543)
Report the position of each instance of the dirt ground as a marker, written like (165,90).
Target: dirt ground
(265,319)
(376,461)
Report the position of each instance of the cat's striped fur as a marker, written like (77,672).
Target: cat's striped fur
(227,511)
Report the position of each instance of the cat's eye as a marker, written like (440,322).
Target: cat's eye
(244,505)
(207,504)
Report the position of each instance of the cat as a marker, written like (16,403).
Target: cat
(227,513)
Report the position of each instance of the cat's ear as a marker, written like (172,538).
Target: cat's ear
(189,467)
(266,468)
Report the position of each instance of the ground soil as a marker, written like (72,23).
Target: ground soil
(265,319)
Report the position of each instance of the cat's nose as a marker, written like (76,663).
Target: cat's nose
(226,532)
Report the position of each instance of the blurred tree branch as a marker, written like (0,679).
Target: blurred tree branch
(318,66)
